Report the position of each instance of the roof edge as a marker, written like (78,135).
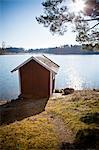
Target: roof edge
(35,59)
(51,60)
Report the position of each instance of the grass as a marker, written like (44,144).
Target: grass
(33,133)
(71,112)
(80,115)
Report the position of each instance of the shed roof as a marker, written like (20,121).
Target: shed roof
(43,61)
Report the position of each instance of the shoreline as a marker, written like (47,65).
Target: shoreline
(85,91)
(49,54)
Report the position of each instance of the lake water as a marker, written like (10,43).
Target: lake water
(76,71)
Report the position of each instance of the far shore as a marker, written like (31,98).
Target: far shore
(35,53)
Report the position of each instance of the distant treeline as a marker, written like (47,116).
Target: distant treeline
(15,50)
(63,50)
(11,50)
(76,49)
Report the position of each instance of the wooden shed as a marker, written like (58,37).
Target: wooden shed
(37,77)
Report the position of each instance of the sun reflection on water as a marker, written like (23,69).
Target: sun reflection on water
(75,81)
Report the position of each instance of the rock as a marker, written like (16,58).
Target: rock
(67,91)
(96,90)
(57,91)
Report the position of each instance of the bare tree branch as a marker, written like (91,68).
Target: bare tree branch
(58,17)
(92,19)
(93,27)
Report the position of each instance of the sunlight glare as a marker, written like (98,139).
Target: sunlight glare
(78,6)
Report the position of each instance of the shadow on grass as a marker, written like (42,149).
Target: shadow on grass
(84,140)
(91,118)
(20,109)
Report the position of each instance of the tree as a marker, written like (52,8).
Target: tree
(82,16)
(3,46)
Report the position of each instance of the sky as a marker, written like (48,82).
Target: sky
(19,28)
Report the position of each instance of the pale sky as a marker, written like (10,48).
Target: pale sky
(19,28)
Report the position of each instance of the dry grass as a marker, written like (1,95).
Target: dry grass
(79,113)
(33,133)
(72,111)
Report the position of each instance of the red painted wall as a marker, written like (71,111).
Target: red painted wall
(34,80)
